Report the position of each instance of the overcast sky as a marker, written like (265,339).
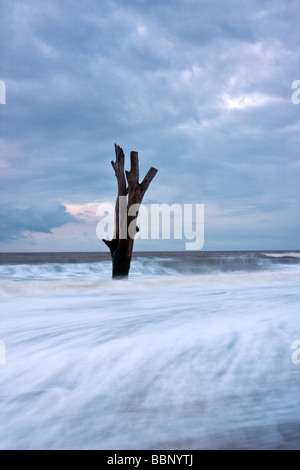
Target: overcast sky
(201,89)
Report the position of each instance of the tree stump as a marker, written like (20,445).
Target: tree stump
(129,199)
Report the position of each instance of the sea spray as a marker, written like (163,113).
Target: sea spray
(176,357)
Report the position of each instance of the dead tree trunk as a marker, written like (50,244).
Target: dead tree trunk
(129,198)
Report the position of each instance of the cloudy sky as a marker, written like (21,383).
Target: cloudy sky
(200,88)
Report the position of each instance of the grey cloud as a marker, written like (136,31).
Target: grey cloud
(16,220)
(154,77)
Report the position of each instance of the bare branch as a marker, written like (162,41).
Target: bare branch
(133,175)
(111,244)
(147,180)
(118,166)
(134,165)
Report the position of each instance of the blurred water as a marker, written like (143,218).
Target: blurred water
(179,356)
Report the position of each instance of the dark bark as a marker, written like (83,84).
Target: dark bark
(121,245)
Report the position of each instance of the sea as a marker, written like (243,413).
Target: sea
(195,350)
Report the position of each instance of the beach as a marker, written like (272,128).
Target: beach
(193,351)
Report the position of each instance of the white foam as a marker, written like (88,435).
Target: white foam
(150,363)
(286,254)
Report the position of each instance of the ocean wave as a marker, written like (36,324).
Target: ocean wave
(147,271)
(95,284)
(154,362)
(54,271)
(288,254)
